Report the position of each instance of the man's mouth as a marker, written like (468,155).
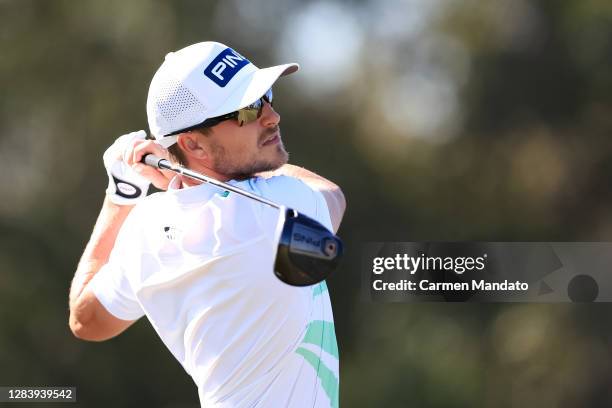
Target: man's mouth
(274,139)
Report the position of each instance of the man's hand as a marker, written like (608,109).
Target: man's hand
(128,179)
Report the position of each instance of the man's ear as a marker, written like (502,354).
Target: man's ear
(192,146)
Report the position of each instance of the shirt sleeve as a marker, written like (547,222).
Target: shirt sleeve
(294,193)
(321,210)
(111,284)
(113,290)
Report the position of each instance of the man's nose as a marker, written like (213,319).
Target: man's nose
(269,117)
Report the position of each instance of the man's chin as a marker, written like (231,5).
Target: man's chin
(271,166)
(262,167)
(282,157)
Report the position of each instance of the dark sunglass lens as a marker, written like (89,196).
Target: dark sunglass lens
(247,115)
(268,96)
(252,112)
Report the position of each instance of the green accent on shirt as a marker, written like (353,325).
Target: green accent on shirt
(329,382)
(319,289)
(322,334)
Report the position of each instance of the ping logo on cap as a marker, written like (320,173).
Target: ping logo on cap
(225,66)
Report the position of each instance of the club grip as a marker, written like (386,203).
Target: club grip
(152,160)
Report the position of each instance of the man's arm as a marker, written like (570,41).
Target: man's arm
(89,319)
(336,203)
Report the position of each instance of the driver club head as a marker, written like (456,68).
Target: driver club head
(307,251)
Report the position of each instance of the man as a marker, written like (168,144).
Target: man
(196,260)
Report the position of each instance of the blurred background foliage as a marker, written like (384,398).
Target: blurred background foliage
(440,119)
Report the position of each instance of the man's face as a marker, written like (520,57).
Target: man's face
(238,152)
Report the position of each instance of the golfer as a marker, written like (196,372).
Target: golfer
(198,260)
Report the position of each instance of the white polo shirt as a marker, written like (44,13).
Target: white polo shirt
(198,262)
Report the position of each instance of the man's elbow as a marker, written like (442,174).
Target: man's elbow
(86,330)
(80,330)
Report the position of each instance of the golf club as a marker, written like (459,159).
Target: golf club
(307,251)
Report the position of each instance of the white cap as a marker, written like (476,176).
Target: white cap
(202,81)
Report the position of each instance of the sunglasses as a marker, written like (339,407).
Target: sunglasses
(244,115)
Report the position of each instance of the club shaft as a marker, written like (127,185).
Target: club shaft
(160,163)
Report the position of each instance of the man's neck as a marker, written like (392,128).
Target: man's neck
(188,181)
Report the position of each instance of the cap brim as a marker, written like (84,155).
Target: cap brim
(253,87)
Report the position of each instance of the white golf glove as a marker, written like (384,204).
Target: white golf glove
(125,186)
